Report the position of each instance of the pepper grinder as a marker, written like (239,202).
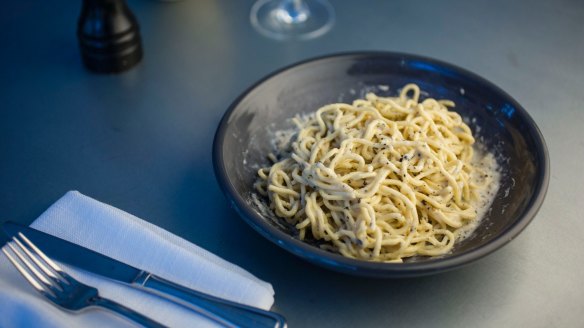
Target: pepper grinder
(109,36)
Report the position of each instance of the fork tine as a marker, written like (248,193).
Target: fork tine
(39,253)
(24,272)
(74,297)
(27,262)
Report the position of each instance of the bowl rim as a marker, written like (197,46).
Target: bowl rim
(340,263)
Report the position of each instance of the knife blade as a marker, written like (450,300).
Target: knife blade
(225,312)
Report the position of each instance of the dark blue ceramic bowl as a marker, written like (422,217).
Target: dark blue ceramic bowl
(243,140)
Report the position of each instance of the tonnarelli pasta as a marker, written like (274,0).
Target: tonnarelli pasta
(381,179)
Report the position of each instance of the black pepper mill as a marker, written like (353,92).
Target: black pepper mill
(109,36)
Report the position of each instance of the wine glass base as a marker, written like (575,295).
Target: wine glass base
(271,19)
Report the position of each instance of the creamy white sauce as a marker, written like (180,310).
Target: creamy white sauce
(485,164)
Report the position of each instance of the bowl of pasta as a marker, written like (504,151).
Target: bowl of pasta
(381,164)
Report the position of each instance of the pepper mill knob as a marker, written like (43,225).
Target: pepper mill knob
(109,36)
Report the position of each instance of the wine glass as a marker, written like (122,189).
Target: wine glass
(292,19)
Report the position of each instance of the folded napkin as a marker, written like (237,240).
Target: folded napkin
(117,234)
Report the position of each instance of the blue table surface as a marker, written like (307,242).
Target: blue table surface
(141,141)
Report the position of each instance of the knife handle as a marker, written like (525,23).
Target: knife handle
(224,312)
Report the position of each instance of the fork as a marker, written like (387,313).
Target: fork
(58,286)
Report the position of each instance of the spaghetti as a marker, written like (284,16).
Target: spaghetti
(383,179)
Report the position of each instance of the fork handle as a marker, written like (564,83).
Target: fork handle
(125,311)
(227,313)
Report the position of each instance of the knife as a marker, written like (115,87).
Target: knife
(227,313)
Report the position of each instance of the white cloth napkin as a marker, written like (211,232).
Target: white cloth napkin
(122,236)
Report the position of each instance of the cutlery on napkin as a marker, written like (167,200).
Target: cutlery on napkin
(117,234)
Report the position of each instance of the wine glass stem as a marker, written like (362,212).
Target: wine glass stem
(293,12)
